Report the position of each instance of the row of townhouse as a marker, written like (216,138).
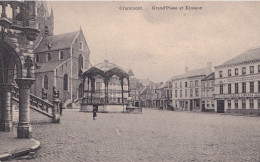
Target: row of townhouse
(156,95)
(234,87)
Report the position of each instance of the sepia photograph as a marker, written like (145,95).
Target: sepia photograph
(118,81)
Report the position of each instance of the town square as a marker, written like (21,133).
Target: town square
(129,81)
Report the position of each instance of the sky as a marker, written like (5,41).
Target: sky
(158,44)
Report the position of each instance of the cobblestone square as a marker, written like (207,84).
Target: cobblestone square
(152,136)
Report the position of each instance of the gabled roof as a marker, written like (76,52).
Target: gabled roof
(49,66)
(60,41)
(192,73)
(145,82)
(249,55)
(211,76)
(130,73)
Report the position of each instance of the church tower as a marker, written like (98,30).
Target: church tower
(44,19)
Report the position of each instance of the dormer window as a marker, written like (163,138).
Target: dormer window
(48,57)
(81,45)
(61,55)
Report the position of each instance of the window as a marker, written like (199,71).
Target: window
(80,63)
(37,58)
(258,103)
(176,85)
(208,83)
(196,83)
(244,87)
(221,89)
(180,84)
(229,104)
(203,84)
(186,84)
(61,55)
(251,102)
(251,87)
(191,83)
(186,93)
(243,70)
(243,104)
(48,57)
(45,82)
(229,88)
(258,68)
(81,45)
(236,104)
(191,92)
(65,83)
(229,72)
(196,92)
(258,86)
(180,93)
(236,88)
(220,74)
(251,69)
(236,71)
(212,104)
(176,95)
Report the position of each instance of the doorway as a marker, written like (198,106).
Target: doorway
(220,106)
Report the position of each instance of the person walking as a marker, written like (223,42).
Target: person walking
(61,108)
(94,112)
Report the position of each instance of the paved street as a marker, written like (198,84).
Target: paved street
(152,136)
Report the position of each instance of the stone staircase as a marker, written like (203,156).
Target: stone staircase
(37,104)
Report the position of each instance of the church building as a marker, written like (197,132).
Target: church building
(59,60)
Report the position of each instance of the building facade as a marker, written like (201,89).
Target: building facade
(207,95)
(187,89)
(134,88)
(237,84)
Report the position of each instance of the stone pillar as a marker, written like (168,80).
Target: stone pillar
(24,129)
(56,111)
(3,11)
(7,123)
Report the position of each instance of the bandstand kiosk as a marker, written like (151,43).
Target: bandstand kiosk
(97,96)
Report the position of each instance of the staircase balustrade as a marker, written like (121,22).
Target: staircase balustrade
(36,102)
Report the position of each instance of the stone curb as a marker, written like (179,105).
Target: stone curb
(20,152)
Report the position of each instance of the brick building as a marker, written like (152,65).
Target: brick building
(187,88)
(207,95)
(59,59)
(237,84)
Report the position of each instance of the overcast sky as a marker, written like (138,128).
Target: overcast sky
(159,44)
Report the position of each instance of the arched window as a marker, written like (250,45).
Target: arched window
(81,45)
(80,62)
(65,83)
(45,82)
(49,57)
(37,58)
(61,55)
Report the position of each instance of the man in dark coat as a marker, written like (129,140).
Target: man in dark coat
(61,108)
(95,109)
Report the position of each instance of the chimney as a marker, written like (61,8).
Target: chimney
(209,66)
(186,69)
